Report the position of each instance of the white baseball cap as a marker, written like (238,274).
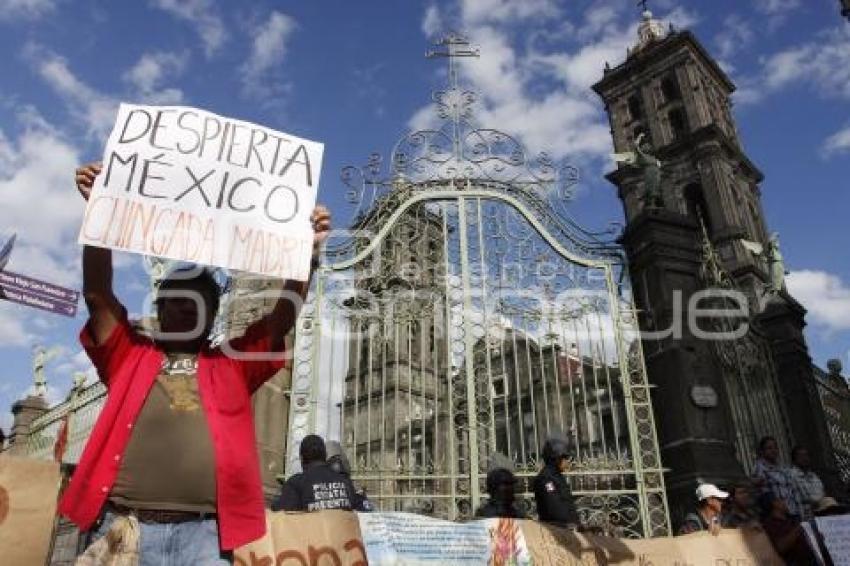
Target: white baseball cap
(706,490)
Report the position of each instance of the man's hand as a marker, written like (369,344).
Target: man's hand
(84,177)
(714,528)
(321,221)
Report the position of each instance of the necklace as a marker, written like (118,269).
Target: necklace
(183,364)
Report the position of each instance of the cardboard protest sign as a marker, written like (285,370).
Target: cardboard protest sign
(28,492)
(740,547)
(186,184)
(306,539)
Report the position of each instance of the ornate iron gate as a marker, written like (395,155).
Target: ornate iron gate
(463,320)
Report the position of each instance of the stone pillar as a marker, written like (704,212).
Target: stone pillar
(271,422)
(689,398)
(25,411)
(783,321)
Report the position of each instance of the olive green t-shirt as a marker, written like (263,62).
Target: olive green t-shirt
(169,463)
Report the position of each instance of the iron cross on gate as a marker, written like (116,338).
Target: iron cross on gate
(455,46)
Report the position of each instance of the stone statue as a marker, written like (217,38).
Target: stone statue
(642,158)
(775,263)
(79,379)
(40,358)
(834,366)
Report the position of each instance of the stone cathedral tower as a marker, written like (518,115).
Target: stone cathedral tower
(713,398)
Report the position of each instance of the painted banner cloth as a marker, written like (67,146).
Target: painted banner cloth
(186,184)
(395,539)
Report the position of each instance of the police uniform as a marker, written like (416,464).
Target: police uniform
(554,498)
(317,487)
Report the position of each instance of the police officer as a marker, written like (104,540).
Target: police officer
(551,491)
(317,486)
(338,462)
(501,486)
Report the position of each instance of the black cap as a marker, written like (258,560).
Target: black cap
(554,450)
(312,449)
(497,477)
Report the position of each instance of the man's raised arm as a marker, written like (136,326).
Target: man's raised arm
(104,309)
(282,317)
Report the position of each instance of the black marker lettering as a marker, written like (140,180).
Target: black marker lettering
(140,135)
(235,186)
(115,157)
(188,129)
(205,137)
(196,184)
(156,127)
(269,200)
(252,149)
(146,176)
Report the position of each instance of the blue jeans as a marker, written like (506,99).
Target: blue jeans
(175,544)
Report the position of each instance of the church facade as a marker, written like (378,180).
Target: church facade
(702,230)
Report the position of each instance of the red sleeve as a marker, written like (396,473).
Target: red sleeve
(253,355)
(109,356)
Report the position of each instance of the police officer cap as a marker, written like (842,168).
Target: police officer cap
(554,450)
(312,449)
(497,477)
(337,458)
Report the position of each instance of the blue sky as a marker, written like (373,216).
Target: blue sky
(353,75)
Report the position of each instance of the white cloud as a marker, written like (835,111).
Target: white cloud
(775,7)
(268,51)
(203,16)
(506,11)
(12,331)
(541,95)
(775,12)
(839,142)
(432,22)
(27,9)
(41,204)
(95,110)
(734,35)
(680,18)
(151,71)
(70,364)
(823,64)
(825,295)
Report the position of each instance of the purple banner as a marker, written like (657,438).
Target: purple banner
(37,301)
(37,287)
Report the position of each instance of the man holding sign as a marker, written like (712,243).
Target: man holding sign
(174,446)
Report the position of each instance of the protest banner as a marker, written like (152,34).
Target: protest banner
(186,184)
(395,539)
(836,537)
(28,492)
(416,540)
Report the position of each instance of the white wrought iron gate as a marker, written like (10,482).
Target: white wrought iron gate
(465,318)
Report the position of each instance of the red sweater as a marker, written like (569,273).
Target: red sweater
(128,364)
